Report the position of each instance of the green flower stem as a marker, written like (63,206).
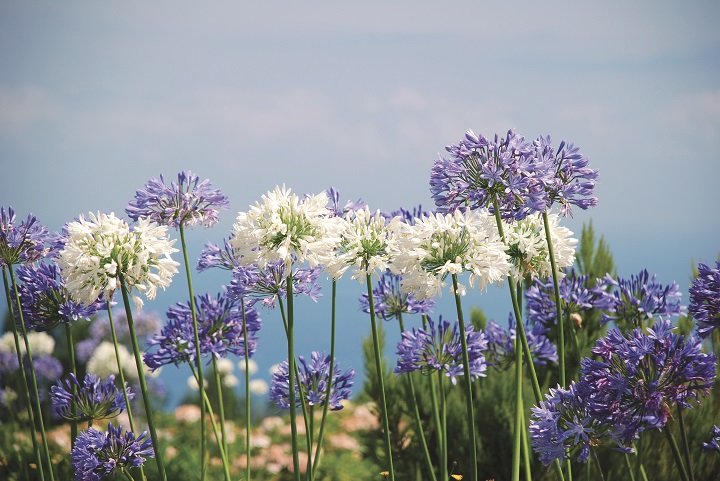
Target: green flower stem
(141,378)
(629,467)
(558,306)
(434,403)
(309,435)
(321,433)
(218,436)
(291,376)
(676,454)
(127,475)
(31,416)
(198,355)
(526,450)
(73,368)
(247,391)
(519,407)
(466,379)
(416,413)
(128,406)
(443,420)
(379,374)
(686,446)
(522,335)
(599,466)
(33,379)
(221,404)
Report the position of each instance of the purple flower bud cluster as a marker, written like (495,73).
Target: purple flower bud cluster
(576,294)
(341,211)
(97,455)
(632,385)
(641,298)
(313,379)
(22,243)
(390,302)
(92,399)
(501,344)
(188,202)
(408,216)
(438,348)
(705,299)
(213,256)
(220,330)
(268,283)
(714,443)
(45,301)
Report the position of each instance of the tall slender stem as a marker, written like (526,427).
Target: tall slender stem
(676,454)
(310,434)
(321,433)
(519,424)
(73,368)
(141,378)
(21,367)
(526,450)
(416,413)
(686,446)
(221,404)
(379,375)
(628,464)
(558,306)
(443,427)
(121,373)
(434,403)
(198,355)
(597,463)
(466,379)
(247,391)
(33,379)
(291,378)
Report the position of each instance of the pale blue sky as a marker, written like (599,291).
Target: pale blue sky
(95,98)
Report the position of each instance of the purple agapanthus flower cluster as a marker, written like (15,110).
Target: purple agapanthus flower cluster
(637,379)
(408,216)
(339,210)
(220,330)
(438,348)
(47,367)
(98,455)
(214,256)
(501,344)
(570,181)
(92,399)
(188,202)
(705,299)
(390,302)
(714,443)
(268,283)
(22,243)
(45,301)
(576,294)
(641,298)
(313,379)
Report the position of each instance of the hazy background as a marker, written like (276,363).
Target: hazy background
(95,98)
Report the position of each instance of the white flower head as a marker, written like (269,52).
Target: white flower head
(528,250)
(103,362)
(284,226)
(259,387)
(368,242)
(41,343)
(224,366)
(273,368)
(230,380)
(192,383)
(438,245)
(102,247)
(252,366)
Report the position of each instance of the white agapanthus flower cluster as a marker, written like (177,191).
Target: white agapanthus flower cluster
(368,242)
(41,343)
(438,245)
(102,247)
(285,227)
(528,250)
(103,363)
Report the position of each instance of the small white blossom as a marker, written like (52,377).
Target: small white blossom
(528,250)
(273,368)
(259,387)
(230,380)
(103,362)
(192,383)
(283,226)
(438,245)
(224,366)
(252,366)
(102,247)
(367,244)
(41,343)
